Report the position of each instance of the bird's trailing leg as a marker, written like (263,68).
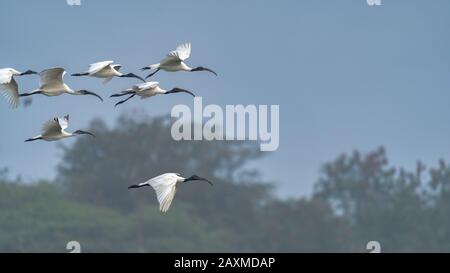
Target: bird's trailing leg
(138,185)
(30,94)
(122,94)
(33,139)
(120,102)
(80,74)
(156,71)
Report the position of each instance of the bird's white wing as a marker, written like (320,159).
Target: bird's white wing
(165,188)
(182,52)
(146,85)
(64,122)
(5,76)
(51,127)
(167,201)
(10,91)
(96,67)
(52,76)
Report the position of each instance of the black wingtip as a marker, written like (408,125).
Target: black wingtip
(145,68)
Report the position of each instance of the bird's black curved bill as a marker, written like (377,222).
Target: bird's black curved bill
(201,68)
(81,132)
(28,72)
(179,90)
(85,92)
(131,75)
(198,178)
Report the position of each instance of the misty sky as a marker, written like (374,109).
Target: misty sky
(346,76)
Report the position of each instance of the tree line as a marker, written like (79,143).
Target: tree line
(359,197)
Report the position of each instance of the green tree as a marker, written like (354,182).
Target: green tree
(378,201)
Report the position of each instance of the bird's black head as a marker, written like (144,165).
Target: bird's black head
(86,92)
(28,72)
(201,68)
(80,132)
(131,75)
(197,178)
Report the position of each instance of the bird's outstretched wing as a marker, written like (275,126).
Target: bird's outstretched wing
(64,122)
(165,188)
(167,201)
(146,85)
(96,67)
(51,127)
(182,52)
(10,91)
(5,76)
(52,76)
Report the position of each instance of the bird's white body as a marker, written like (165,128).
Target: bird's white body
(104,70)
(174,61)
(174,66)
(52,83)
(165,187)
(147,89)
(54,129)
(9,87)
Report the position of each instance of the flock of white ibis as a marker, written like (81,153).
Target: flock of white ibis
(52,84)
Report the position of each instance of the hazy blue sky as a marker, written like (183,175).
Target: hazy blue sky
(346,76)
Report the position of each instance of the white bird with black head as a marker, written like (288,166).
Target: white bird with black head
(52,84)
(8,85)
(54,130)
(147,90)
(165,187)
(106,70)
(174,61)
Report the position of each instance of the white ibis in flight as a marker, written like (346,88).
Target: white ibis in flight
(165,187)
(174,61)
(147,90)
(52,84)
(54,130)
(106,70)
(8,85)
